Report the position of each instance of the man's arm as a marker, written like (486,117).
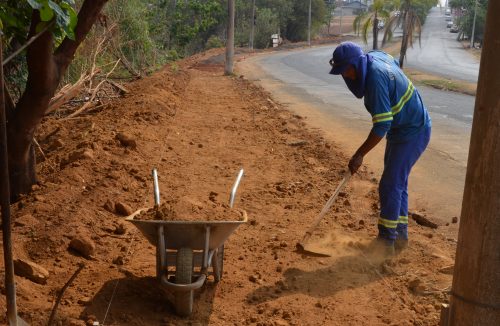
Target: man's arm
(357,159)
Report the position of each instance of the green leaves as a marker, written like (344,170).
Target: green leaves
(60,10)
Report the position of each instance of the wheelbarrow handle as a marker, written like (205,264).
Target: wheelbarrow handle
(156,187)
(235,187)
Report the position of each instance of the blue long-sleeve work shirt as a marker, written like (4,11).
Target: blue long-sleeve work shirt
(394,103)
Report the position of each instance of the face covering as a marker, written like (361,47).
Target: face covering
(360,64)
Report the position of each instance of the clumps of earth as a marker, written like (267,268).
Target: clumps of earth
(189,209)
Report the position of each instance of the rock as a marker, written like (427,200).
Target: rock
(404,261)
(90,320)
(281,322)
(26,220)
(297,143)
(416,286)
(31,271)
(126,140)
(213,196)
(447,269)
(422,220)
(120,229)
(253,278)
(85,301)
(109,206)
(39,198)
(279,269)
(57,143)
(82,245)
(80,154)
(118,260)
(454,219)
(76,322)
(123,209)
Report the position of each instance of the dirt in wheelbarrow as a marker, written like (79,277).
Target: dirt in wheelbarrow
(188,209)
(198,128)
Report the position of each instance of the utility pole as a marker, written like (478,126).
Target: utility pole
(475,292)
(10,285)
(309,25)
(341,14)
(473,26)
(252,29)
(228,70)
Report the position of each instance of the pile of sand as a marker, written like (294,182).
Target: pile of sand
(187,209)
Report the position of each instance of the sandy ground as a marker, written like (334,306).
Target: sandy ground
(198,128)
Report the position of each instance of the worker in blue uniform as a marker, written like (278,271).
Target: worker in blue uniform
(398,113)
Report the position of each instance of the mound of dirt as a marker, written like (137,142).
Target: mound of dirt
(187,209)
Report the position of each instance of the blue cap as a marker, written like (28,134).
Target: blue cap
(347,53)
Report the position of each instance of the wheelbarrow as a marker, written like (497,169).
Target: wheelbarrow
(187,252)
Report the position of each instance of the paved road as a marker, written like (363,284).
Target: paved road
(300,79)
(440,53)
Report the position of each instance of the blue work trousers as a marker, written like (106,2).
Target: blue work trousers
(393,188)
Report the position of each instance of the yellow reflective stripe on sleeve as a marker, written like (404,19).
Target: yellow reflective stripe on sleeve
(404,99)
(403,219)
(381,117)
(388,223)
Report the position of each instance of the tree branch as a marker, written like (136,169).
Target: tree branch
(86,18)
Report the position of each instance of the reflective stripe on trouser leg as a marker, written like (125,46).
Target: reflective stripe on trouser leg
(402,229)
(398,161)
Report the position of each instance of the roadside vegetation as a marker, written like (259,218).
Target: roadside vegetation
(131,38)
(464,12)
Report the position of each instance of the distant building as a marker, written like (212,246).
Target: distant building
(351,7)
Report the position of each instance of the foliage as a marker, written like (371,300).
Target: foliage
(410,17)
(194,20)
(366,21)
(214,42)
(267,24)
(465,12)
(15,20)
(297,24)
(15,17)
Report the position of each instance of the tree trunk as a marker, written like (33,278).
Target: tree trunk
(45,70)
(230,39)
(404,40)
(40,87)
(475,294)
(375,31)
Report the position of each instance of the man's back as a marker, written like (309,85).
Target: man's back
(392,100)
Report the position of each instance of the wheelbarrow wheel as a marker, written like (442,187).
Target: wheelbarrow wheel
(183,275)
(218,263)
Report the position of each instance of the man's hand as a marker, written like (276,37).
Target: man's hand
(355,163)
(357,159)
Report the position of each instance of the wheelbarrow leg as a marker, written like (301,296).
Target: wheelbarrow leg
(161,254)
(206,251)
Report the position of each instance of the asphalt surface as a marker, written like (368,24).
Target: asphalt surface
(300,80)
(440,53)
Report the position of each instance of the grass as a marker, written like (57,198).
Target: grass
(441,83)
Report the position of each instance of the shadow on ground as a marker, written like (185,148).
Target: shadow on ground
(347,272)
(142,301)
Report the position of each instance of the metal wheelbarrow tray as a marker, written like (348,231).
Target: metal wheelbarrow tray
(187,252)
